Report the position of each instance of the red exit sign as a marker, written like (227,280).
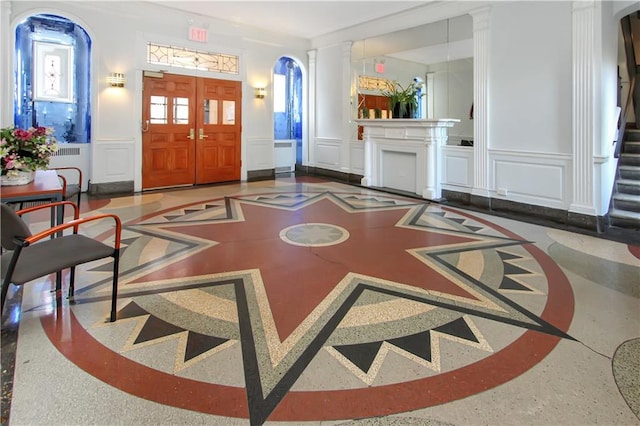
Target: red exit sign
(198,34)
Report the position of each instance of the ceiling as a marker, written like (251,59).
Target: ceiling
(298,18)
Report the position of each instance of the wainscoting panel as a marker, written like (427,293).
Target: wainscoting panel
(260,154)
(356,156)
(540,179)
(113,161)
(328,153)
(457,167)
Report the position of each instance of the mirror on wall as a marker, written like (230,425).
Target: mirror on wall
(438,55)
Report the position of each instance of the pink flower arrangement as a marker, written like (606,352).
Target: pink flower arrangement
(25,150)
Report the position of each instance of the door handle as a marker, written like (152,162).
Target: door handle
(192,133)
(146,126)
(202,135)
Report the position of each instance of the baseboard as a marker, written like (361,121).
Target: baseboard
(109,188)
(258,175)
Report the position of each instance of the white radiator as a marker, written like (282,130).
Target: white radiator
(285,155)
(74,155)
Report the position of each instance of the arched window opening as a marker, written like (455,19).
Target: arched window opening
(287,106)
(52,77)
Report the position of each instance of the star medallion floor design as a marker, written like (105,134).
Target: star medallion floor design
(239,306)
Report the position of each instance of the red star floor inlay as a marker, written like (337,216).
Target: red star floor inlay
(318,305)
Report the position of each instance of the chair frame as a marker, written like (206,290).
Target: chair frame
(57,232)
(64,182)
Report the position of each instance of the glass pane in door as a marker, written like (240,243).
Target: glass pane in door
(229,112)
(210,111)
(181,111)
(158,112)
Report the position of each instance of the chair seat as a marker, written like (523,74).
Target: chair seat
(36,260)
(72,190)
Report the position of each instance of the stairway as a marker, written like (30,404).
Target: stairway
(625,203)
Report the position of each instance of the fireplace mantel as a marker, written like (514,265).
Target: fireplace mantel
(405,154)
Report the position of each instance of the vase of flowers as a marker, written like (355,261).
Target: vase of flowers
(23,151)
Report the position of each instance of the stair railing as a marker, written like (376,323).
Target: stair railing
(632,70)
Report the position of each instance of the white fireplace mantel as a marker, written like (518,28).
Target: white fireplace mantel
(405,154)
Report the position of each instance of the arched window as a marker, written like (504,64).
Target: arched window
(52,75)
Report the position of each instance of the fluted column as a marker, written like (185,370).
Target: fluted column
(311,136)
(481,33)
(583,116)
(345,151)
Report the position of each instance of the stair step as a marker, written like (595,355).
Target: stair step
(632,135)
(629,202)
(629,172)
(632,147)
(628,186)
(630,159)
(625,219)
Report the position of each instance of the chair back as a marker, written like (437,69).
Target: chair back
(12,226)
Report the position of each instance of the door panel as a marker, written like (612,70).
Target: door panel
(218,150)
(168,153)
(193,131)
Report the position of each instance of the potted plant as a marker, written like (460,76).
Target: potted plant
(22,152)
(403,101)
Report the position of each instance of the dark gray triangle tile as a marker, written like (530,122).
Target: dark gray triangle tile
(474,228)
(105,267)
(131,310)
(458,328)
(509,284)
(198,344)
(510,269)
(457,220)
(507,256)
(173,217)
(361,355)
(155,328)
(211,206)
(128,241)
(418,344)
(189,211)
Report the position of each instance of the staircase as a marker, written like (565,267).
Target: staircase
(625,203)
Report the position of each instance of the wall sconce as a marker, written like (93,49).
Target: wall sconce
(116,79)
(260,92)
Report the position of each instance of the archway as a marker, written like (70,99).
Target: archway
(53,86)
(287,114)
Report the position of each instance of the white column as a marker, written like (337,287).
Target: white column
(345,147)
(584,117)
(311,136)
(6,67)
(481,33)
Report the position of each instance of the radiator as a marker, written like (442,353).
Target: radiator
(74,155)
(285,155)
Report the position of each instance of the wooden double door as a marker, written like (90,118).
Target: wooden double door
(191,130)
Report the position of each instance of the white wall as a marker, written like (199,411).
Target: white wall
(119,32)
(530,76)
(329,100)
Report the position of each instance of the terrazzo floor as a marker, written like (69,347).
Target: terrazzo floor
(303,301)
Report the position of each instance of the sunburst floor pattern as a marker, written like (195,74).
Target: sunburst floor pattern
(309,301)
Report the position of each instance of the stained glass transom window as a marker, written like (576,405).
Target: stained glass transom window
(374,83)
(188,58)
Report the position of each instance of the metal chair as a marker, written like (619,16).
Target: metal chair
(29,256)
(71,185)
